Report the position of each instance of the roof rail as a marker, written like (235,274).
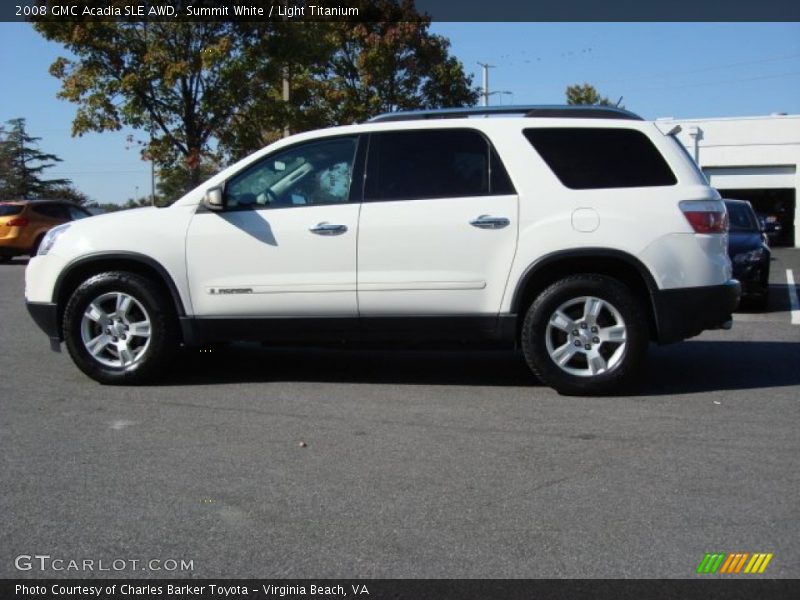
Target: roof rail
(533,111)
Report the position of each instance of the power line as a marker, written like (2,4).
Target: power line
(702,69)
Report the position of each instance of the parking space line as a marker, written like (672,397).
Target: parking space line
(794,302)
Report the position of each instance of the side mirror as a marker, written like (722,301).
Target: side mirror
(213,200)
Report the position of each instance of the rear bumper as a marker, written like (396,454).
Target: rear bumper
(45,315)
(685,312)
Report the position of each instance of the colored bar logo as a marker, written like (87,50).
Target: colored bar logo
(733,563)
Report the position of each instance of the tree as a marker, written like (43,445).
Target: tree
(181,83)
(174,182)
(346,73)
(22,165)
(212,91)
(586,94)
(69,193)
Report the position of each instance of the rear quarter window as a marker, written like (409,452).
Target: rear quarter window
(599,158)
(9,210)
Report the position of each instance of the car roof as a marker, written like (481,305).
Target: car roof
(37,201)
(538,111)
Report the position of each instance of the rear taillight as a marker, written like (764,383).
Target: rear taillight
(705,216)
(18,222)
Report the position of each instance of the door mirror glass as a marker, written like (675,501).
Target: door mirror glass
(213,200)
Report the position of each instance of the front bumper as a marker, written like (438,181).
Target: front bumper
(45,315)
(686,312)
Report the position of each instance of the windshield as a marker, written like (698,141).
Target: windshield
(741,217)
(6,210)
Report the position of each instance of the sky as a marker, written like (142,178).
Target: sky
(681,70)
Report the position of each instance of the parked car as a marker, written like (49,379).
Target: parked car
(577,234)
(749,252)
(771,226)
(23,224)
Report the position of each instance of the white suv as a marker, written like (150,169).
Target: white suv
(577,234)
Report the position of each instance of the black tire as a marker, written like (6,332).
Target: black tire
(163,337)
(622,366)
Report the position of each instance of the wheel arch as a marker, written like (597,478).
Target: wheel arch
(84,267)
(602,261)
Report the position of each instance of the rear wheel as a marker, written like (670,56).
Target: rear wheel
(585,334)
(118,328)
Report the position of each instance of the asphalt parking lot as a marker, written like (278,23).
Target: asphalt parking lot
(321,463)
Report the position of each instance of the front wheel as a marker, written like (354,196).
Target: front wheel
(585,334)
(118,328)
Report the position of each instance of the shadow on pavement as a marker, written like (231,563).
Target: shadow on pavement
(704,366)
(15,262)
(684,368)
(778,301)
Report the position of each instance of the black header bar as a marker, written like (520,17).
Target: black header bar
(437,10)
(742,588)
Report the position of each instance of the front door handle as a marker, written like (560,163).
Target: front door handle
(326,228)
(487,222)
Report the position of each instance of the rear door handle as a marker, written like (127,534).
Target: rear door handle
(487,222)
(326,228)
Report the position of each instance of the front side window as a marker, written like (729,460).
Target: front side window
(435,163)
(315,173)
(599,158)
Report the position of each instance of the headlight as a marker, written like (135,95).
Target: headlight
(749,257)
(50,238)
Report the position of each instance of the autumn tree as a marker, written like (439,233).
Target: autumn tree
(179,83)
(341,73)
(586,94)
(207,92)
(22,165)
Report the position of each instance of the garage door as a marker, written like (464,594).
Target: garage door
(764,177)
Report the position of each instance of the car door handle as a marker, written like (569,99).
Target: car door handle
(487,222)
(326,228)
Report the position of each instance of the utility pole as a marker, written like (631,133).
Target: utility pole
(285,69)
(152,172)
(150,147)
(485,93)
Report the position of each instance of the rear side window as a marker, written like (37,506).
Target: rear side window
(438,163)
(8,210)
(741,217)
(584,158)
(51,211)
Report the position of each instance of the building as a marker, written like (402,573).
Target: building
(751,158)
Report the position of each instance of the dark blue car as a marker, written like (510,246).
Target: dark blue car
(749,252)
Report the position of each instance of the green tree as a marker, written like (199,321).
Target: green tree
(213,91)
(70,193)
(181,83)
(586,94)
(341,73)
(22,165)
(175,181)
